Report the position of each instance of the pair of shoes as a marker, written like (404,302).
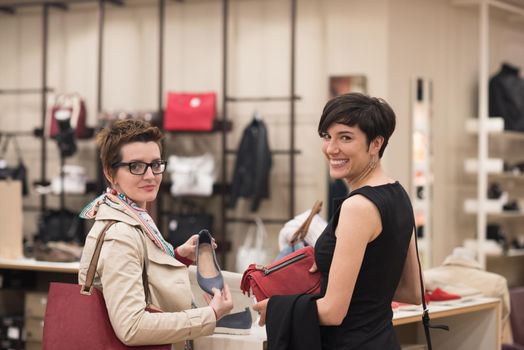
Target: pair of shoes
(238,323)
(208,273)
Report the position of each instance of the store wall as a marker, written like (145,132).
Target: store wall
(333,37)
(390,42)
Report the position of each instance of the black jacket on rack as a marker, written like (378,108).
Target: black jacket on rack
(252,166)
(506,97)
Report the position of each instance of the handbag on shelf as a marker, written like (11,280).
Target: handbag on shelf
(75,106)
(252,249)
(17,172)
(190,111)
(76,315)
(289,275)
(11,220)
(187,221)
(60,225)
(192,176)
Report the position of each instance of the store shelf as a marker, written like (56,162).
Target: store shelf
(512,254)
(492,165)
(495,129)
(506,215)
(492,206)
(506,176)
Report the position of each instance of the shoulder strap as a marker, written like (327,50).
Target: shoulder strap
(86,288)
(425,312)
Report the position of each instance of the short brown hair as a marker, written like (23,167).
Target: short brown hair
(111,139)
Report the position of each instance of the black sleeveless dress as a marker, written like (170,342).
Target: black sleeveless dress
(367,325)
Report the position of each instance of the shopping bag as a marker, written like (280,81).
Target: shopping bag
(252,249)
(11,224)
(190,111)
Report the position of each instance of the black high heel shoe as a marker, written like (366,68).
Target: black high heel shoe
(208,274)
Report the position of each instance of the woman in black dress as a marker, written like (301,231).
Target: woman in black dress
(366,255)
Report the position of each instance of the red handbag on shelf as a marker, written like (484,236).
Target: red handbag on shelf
(289,275)
(190,111)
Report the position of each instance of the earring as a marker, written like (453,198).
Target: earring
(372,163)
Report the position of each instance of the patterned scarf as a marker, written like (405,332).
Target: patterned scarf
(124,204)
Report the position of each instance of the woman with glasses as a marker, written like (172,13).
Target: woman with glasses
(130,152)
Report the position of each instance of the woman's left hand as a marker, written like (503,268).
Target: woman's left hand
(261,307)
(188,249)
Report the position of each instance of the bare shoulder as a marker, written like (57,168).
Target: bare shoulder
(358,204)
(359,214)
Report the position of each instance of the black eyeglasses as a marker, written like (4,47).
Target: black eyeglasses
(140,168)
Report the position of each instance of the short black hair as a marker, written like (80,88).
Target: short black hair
(372,115)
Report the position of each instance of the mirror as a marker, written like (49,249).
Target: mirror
(421,172)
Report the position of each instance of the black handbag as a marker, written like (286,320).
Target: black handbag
(60,225)
(17,172)
(187,221)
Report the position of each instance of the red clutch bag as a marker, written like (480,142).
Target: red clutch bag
(190,111)
(289,275)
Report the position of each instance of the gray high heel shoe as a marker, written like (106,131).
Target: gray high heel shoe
(208,273)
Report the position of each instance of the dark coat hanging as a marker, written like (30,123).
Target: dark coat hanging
(252,166)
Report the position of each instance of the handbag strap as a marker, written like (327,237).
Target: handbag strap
(90,277)
(425,311)
(302,231)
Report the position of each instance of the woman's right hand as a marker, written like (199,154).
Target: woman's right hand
(313,268)
(222,303)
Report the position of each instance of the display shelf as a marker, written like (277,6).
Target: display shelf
(506,215)
(507,176)
(34,265)
(495,129)
(474,324)
(490,206)
(490,130)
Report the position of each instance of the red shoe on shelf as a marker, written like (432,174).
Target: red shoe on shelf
(441,295)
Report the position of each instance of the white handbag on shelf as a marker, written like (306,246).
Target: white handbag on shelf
(252,250)
(192,176)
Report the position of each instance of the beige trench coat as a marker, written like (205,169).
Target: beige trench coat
(119,276)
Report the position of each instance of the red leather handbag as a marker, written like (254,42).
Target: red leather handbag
(190,112)
(289,275)
(76,316)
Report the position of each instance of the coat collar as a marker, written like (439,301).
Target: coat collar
(105,212)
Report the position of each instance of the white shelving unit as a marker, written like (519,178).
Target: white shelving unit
(488,129)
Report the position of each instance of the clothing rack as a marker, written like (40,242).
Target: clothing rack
(222,125)
(227,99)
(44,89)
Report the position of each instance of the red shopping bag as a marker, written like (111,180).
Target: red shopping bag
(190,111)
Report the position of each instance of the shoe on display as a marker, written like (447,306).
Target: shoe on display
(441,295)
(208,273)
(238,323)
